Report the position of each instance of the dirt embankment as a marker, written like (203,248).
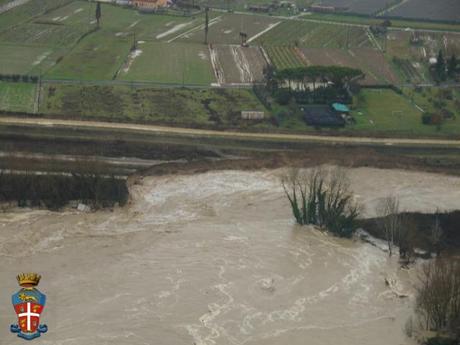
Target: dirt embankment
(385,158)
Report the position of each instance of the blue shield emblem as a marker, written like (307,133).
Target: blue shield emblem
(28,304)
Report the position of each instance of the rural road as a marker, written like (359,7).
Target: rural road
(304,17)
(57,123)
(10,5)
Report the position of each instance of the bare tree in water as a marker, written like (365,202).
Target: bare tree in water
(438,295)
(389,220)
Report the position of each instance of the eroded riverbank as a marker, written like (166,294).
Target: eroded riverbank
(214,258)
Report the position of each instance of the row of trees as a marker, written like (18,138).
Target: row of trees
(55,191)
(400,229)
(446,68)
(311,84)
(311,75)
(16,78)
(322,197)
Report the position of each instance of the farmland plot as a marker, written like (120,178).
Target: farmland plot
(226,29)
(74,13)
(368,7)
(373,63)
(234,64)
(21,59)
(169,63)
(97,57)
(42,34)
(123,22)
(285,57)
(28,10)
(17,96)
(314,35)
(411,60)
(447,10)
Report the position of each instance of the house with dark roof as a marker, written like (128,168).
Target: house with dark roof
(322,116)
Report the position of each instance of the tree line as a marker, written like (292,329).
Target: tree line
(55,191)
(310,84)
(445,69)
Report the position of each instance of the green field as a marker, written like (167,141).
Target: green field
(386,112)
(99,56)
(226,28)
(182,107)
(170,63)
(313,35)
(122,22)
(17,96)
(26,12)
(17,59)
(63,44)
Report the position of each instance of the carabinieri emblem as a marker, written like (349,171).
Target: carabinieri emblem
(28,304)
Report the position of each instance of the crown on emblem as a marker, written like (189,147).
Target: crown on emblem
(28,279)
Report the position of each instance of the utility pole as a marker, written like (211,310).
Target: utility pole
(206,26)
(244,39)
(348,37)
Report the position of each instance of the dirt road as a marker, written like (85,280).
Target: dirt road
(40,122)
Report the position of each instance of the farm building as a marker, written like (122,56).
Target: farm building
(327,9)
(252,115)
(322,116)
(259,8)
(150,5)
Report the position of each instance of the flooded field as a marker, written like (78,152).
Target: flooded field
(213,258)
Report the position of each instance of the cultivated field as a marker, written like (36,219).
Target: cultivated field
(21,59)
(313,35)
(370,61)
(411,51)
(50,35)
(243,4)
(169,63)
(123,22)
(395,22)
(17,96)
(285,57)
(446,10)
(234,64)
(384,111)
(182,107)
(225,29)
(28,10)
(369,7)
(99,56)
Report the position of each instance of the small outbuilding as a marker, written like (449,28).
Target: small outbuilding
(340,108)
(252,115)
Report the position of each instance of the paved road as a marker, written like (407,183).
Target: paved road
(403,142)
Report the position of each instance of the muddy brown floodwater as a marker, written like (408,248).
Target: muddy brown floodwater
(213,258)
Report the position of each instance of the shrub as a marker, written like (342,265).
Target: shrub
(441,341)
(283,96)
(322,198)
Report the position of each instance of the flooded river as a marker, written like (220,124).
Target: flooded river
(213,258)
